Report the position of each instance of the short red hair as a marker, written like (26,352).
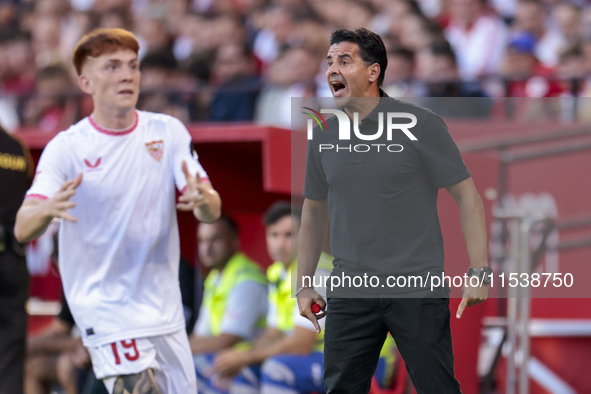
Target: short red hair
(101,41)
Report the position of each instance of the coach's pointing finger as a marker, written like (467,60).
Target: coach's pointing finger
(461,307)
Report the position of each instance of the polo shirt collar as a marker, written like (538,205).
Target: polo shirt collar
(382,106)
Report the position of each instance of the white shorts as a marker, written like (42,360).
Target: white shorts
(168,355)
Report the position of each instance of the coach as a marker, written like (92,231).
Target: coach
(383,220)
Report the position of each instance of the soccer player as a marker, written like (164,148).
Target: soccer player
(111,179)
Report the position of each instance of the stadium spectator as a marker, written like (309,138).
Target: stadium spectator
(238,86)
(52,107)
(16,173)
(399,79)
(17,70)
(571,71)
(437,67)
(279,32)
(477,37)
(530,16)
(116,18)
(419,32)
(568,19)
(17,75)
(8,10)
(527,75)
(195,38)
(585,27)
(160,86)
(153,35)
(234,302)
(46,34)
(571,63)
(398,11)
(291,75)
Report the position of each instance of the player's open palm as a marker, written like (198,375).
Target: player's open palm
(195,195)
(58,205)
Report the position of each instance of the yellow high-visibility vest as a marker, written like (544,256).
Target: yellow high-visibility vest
(219,285)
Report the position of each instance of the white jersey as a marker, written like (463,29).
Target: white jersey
(119,263)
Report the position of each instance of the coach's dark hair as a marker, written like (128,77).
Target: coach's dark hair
(371,47)
(231,223)
(280,209)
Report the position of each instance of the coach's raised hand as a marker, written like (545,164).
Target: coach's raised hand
(35,215)
(199,197)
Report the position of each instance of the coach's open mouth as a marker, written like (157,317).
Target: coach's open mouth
(338,88)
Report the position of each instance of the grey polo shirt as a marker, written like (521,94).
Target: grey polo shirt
(383,204)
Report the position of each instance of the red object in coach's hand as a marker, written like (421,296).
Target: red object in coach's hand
(315,308)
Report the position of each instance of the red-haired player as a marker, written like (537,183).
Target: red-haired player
(111,179)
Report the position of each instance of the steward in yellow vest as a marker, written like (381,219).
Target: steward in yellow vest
(234,306)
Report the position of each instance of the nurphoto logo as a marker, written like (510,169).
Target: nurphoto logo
(344,131)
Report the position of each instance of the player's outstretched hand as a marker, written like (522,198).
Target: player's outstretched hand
(306,298)
(58,205)
(195,195)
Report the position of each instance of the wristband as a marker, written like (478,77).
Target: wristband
(302,288)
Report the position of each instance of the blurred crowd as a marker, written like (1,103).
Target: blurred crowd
(243,60)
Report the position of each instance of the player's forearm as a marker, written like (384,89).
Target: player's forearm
(31,222)
(211,210)
(311,238)
(201,345)
(474,228)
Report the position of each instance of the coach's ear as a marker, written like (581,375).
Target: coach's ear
(85,84)
(373,72)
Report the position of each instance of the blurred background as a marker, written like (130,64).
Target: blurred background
(242,60)
(510,78)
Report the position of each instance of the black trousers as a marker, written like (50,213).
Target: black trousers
(14,290)
(356,329)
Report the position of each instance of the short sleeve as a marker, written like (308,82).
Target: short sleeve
(272,318)
(315,185)
(302,321)
(202,326)
(182,145)
(245,307)
(52,170)
(440,152)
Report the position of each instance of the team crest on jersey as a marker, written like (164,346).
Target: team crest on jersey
(156,149)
